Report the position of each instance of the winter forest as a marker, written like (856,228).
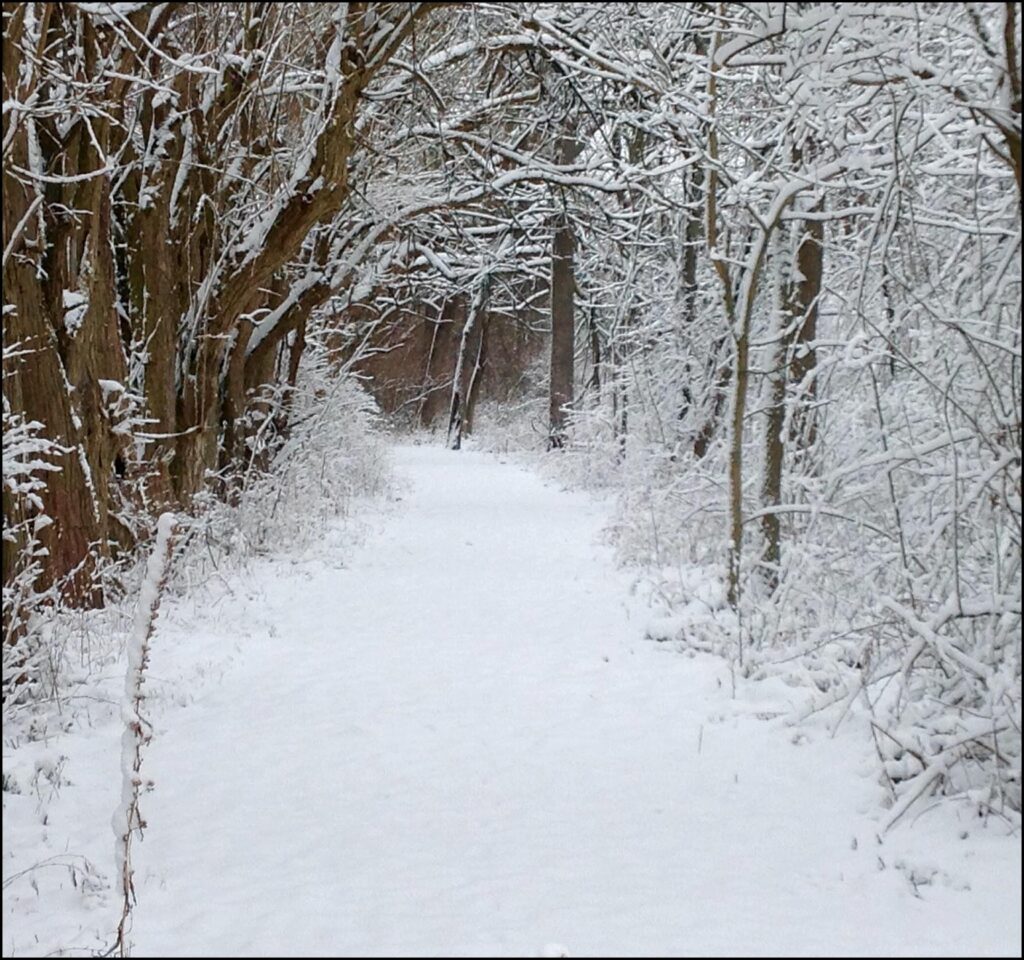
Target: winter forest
(511,479)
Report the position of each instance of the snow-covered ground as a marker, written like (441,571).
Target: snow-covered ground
(454,741)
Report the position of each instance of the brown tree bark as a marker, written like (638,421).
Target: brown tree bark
(61,251)
(477,376)
(563,330)
(794,367)
(563,308)
(171,270)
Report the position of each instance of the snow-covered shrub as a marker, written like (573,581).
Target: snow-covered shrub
(27,459)
(511,427)
(898,593)
(313,450)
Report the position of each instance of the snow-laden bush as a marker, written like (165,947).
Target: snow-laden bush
(28,456)
(509,427)
(313,450)
(898,595)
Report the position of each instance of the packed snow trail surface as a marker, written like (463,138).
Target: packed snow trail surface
(459,744)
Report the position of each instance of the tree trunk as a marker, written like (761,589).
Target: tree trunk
(563,330)
(473,390)
(794,367)
(563,313)
(442,335)
(810,261)
(461,382)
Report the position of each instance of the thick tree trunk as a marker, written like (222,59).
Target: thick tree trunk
(96,364)
(59,297)
(36,383)
(173,292)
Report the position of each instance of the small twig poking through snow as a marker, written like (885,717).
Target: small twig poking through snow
(925,780)
(136,733)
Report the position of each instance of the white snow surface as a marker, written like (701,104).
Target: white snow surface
(453,740)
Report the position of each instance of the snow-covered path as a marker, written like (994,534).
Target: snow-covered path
(460,744)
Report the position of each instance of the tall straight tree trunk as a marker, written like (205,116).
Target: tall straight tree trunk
(96,365)
(439,358)
(36,383)
(810,262)
(774,443)
(595,357)
(794,367)
(563,304)
(692,237)
(466,381)
(456,402)
(476,377)
(563,330)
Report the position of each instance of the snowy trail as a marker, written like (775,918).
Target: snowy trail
(460,745)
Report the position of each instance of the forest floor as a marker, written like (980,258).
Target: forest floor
(454,740)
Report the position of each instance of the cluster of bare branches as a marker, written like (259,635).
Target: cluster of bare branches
(775,247)
(806,343)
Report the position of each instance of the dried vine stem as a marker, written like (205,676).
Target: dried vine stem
(127,818)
